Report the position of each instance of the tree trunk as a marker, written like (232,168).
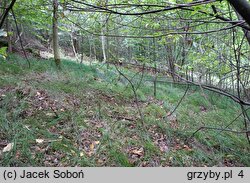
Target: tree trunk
(55,34)
(74,44)
(6,12)
(103,37)
(246,32)
(171,61)
(243,8)
(8,27)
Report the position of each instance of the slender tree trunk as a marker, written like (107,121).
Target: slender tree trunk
(55,34)
(90,47)
(8,27)
(73,43)
(103,39)
(155,69)
(192,75)
(171,61)
(82,49)
(95,53)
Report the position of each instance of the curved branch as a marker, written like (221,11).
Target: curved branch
(167,8)
(7,12)
(180,101)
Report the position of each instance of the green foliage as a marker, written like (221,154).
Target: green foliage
(3,52)
(119,158)
(155,110)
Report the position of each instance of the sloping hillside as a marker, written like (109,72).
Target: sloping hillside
(89,116)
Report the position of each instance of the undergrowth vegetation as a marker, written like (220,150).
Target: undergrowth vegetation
(87,115)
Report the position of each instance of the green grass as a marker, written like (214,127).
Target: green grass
(87,116)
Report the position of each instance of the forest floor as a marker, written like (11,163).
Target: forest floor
(88,116)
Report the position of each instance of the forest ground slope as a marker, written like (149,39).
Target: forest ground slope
(88,116)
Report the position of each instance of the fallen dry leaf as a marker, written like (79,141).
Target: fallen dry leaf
(73,152)
(38,93)
(187,148)
(81,154)
(9,147)
(177,147)
(18,154)
(50,114)
(163,147)
(39,141)
(27,127)
(100,161)
(138,152)
(92,146)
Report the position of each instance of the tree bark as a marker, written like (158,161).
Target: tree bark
(243,8)
(246,32)
(73,43)
(5,14)
(171,61)
(55,34)
(103,37)
(9,37)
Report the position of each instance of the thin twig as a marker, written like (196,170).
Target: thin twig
(142,76)
(219,129)
(235,119)
(135,95)
(21,42)
(180,101)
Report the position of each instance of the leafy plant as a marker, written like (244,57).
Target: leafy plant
(3,52)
